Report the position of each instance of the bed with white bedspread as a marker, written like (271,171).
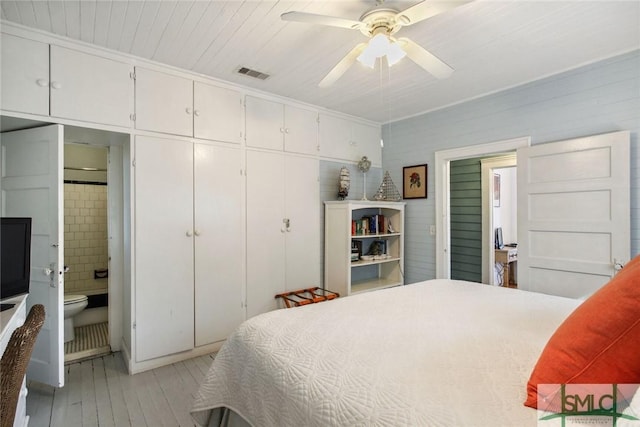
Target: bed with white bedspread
(435,353)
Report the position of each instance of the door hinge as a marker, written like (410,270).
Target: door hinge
(132,117)
(318,119)
(133,326)
(133,163)
(132,75)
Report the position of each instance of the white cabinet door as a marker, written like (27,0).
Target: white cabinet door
(302,209)
(265,123)
(265,230)
(164,276)
(25,75)
(366,142)
(349,140)
(217,113)
(164,102)
(300,130)
(219,242)
(335,138)
(90,88)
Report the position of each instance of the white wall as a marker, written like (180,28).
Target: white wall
(594,99)
(505,215)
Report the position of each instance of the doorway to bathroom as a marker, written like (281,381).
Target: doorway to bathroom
(90,212)
(86,256)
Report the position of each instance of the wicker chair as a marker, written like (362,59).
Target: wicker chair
(15,359)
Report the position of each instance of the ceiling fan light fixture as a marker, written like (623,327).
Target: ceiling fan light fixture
(395,54)
(380,45)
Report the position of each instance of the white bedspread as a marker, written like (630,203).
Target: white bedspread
(436,353)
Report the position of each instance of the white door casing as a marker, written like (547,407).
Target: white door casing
(442,160)
(488,235)
(573,213)
(32,167)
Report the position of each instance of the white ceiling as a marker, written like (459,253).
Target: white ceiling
(491,44)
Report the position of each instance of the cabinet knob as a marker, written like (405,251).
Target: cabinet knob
(56,85)
(196,232)
(281,130)
(189,233)
(196,113)
(42,82)
(188,110)
(286,130)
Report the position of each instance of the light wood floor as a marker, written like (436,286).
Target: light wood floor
(100,392)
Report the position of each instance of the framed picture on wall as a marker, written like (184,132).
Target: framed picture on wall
(496,190)
(414,182)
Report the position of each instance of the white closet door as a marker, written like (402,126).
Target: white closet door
(219,242)
(163,247)
(265,230)
(265,123)
(25,75)
(90,88)
(302,208)
(217,113)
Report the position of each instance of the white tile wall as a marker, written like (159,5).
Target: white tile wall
(85,237)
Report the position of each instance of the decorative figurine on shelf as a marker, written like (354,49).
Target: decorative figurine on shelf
(388,190)
(363,166)
(344,183)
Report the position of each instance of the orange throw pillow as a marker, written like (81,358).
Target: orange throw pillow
(599,343)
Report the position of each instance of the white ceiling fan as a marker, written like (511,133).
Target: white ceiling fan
(379,24)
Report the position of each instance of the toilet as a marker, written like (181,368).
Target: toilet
(73,304)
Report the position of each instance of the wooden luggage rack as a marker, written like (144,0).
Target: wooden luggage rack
(306,296)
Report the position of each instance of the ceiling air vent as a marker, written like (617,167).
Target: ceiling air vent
(253,73)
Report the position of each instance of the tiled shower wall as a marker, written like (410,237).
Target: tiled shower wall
(85,237)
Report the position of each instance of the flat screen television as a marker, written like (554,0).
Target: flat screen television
(15,254)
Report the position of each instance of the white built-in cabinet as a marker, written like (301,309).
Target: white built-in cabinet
(177,105)
(211,246)
(345,139)
(276,126)
(25,75)
(283,222)
(59,82)
(188,245)
(344,230)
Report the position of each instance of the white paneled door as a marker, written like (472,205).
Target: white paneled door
(219,242)
(573,214)
(265,230)
(32,165)
(163,247)
(302,193)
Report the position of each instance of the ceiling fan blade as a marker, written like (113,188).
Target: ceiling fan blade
(426,9)
(312,18)
(425,59)
(342,66)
